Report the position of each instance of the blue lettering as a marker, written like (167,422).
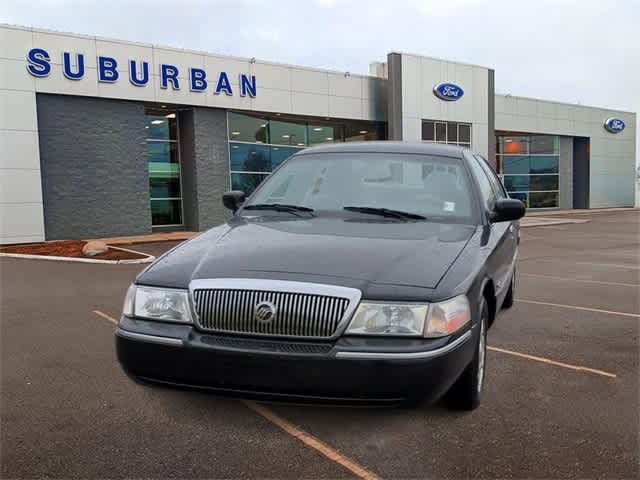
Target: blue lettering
(247,85)
(133,73)
(39,65)
(107,69)
(198,79)
(223,84)
(67,67)
(169,73)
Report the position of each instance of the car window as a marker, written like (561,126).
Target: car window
(486,190)
(429,185)
(496,184)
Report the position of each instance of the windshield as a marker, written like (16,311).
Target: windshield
(427,185)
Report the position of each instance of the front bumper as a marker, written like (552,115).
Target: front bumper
(351,369)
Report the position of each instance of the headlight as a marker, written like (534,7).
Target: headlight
(417,320)
(389,318)
(158,304)
(448,316)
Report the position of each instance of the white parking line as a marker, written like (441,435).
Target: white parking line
(554,362)
(610,265)
(312,442)
(580,280)
(575,307)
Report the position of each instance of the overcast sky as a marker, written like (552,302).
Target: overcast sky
(583,51)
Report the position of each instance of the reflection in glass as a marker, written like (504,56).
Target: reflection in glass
(247,182)
(513,145)
(250,157)
(280,154)
(288,133)
(166,212)
(515,164)
(246,128)
(161,126)
(544,144)
(319,134)
(164,167)
(544,164)
(543,182)
(515,183)
(543,199)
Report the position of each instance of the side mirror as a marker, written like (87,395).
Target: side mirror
(507,209)
(233,199)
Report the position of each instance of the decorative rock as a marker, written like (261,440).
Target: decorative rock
(93,248)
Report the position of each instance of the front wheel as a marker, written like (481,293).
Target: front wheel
(465,393)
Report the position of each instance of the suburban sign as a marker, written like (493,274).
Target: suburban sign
(614,125)
(108,71)
(448,91)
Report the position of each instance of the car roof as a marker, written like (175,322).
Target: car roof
(388,147)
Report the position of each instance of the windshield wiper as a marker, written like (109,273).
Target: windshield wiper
(387,212)
(279,207)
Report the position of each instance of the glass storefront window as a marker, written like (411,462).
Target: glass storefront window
(247,182)
(452,133)
(544,144)
(319,134)
(244,128)
(529,165)
(428,131)
(250,157)
(258,144)
(163,159)
(288,133)
(543,199)
(166,212)
(544,163)
(160,126)
(464,133)
(280,154)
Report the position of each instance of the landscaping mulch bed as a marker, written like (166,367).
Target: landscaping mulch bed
(68,248)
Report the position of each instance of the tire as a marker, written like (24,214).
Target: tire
(508,300)
(466,392)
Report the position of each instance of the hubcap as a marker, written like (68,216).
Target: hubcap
(481,354)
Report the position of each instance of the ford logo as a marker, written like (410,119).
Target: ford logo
(614,125)
(448,91)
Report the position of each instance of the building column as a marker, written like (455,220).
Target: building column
(204,153)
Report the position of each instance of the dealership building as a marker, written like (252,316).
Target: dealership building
(102,138)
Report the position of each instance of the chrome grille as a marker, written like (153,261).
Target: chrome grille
(313,311)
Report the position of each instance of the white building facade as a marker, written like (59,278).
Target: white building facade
(100,137)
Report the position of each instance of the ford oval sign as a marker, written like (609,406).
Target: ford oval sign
(614,125)
(448,91)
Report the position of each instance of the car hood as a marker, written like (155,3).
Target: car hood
(316,250)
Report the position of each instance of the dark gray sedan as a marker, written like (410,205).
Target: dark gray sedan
(362,272)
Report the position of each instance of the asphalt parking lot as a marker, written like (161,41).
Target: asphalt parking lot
(561,397)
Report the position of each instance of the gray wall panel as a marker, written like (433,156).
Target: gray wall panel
(394,96)
(566,173)
(95,180)
(491,141)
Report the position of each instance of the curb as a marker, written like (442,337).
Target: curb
(130,261)
(554,222)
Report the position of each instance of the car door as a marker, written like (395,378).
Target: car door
(507,232)
(500,241)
